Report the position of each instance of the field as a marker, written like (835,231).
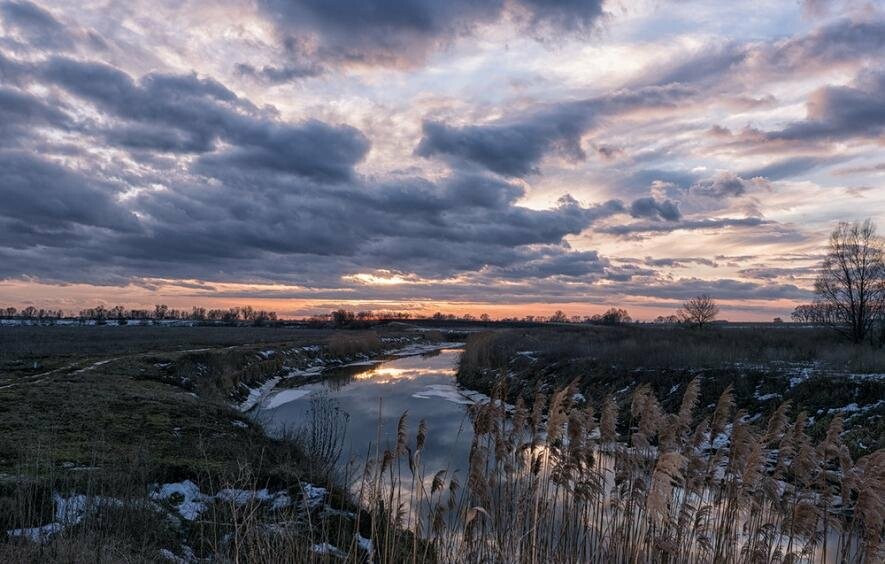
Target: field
(733,444)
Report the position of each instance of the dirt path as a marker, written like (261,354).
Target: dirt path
(69,368)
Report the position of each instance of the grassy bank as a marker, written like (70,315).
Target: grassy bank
(764,366)
(113,414)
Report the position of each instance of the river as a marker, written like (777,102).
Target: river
(422,385)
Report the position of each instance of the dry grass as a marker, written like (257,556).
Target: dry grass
(572,490)
(344,344)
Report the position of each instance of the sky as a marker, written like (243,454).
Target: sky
(509,157)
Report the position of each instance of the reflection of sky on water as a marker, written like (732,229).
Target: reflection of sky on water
(357,391)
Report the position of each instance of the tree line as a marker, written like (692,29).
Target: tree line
(160,312)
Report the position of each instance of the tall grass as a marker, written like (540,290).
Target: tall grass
(567,487)
(549,482)
(348,344)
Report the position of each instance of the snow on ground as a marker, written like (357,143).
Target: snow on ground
(37,534)
(284,396)
(364,543)
(329,550)
(193,501)
(363,363)
(853,408)
(277,500)
(421,348)
(255,394)
(313,495)
(68,511)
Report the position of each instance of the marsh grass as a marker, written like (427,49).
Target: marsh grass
(346,344)
(649,347)
(566,487)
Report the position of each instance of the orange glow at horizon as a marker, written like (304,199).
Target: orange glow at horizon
(73,297)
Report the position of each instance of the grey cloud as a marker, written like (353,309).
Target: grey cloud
(679,262)
(39,27)
(771,272)
(841,112)
(726,185)
(790,167)
(280,74)
(41,193)
(21,112)
(515,146)
(652,208)
(186,113)
(721,289)
(844,41)
(562,262)
(385,32)
(689,225)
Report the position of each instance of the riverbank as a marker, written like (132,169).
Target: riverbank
(150,422)
(764,367)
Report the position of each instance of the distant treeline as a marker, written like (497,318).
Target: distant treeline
(160,312)
(346,318)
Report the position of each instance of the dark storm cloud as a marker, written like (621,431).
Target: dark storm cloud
(396,32)
(38,26)
(186,113)
(515,146)
(652,208)
(278,228)
(20,112)
(41,193)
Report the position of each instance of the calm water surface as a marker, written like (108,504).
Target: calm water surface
(423,385)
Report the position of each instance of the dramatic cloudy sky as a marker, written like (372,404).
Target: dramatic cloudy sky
(501,156)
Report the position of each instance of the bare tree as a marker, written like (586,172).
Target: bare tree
(851,283)
(699,310)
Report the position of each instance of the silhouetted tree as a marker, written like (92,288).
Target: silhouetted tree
(699,311)
(558,317)
(852,279)
(342,317)
(614,316)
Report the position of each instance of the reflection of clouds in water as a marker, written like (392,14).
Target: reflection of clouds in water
(445,392)
(386,374)
(390,388)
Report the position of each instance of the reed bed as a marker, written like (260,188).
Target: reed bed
(555,481)
(574,485)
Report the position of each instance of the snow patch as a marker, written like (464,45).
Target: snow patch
(283,397)
(193,501)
